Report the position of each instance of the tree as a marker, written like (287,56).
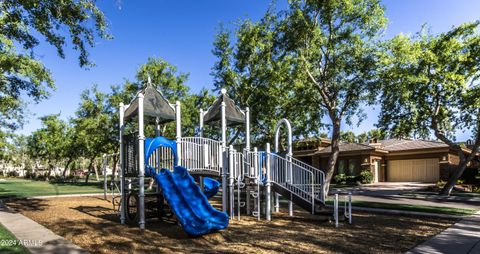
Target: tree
(430,85)
(251,70)
(348,136)
(71,148)
(93,127)
(316,58)
(371,134)
(23,24)
(48,142)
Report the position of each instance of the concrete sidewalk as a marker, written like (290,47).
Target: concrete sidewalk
(35,237)
(461,238)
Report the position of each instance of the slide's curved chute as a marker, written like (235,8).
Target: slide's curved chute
(191,223)
(210,187)
(197,200)
(185,198)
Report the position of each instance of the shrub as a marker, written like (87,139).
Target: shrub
(470,176)
(351,179)
(460,182)
(30,174)
(441,183)
(12,174)
(40,177)
(366,176)
(57,179)
(340,178)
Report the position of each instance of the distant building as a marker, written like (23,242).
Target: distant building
(392,160)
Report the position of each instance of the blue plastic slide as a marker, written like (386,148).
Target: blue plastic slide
(197,200)
(187,202)
(191,223)
(210,187)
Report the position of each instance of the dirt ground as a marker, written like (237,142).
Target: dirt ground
(91,223)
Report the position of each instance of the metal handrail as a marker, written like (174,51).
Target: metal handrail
(303,180)
(200,154)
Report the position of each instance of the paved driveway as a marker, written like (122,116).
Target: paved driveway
(406,193)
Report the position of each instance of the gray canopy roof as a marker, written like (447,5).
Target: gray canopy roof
(154,105)
(233,114)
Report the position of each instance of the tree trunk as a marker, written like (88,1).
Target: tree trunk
(452,179)
(114,168)
(70,160)
(49,172)
(95,169)
(332,160)
(92,161)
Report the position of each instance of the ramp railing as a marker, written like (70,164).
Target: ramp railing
(301,179)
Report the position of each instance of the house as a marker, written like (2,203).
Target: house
(392,160)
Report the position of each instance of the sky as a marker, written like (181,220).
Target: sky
(182,33)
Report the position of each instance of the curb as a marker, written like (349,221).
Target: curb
(69,195)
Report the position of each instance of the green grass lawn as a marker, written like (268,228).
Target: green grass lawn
(9,244)
(15,187)
(422,193)
(342,185)
(414,208)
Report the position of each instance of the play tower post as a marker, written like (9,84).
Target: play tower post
(268,193)
(121,168)
(141,164)
(225,157)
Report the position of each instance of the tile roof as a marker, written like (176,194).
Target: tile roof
(395,145)
(389,145)
(346,147)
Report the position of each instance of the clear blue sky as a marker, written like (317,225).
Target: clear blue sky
(182,33)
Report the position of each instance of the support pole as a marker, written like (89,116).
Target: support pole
(202,187)
(105,161)
(246,166)
(141,164)
(277,203)
(225,159)
(200,131)
(231,192)
(335,209)
(350,208)
(178,123)
(257,182)
(122,166)
(247,202)
(157,134)
(247,128)
(268,194)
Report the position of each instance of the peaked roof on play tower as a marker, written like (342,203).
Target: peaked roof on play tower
(233,114)
(154,105)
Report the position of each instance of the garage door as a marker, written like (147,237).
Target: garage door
(419,170)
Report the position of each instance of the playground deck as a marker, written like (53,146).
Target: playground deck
(91,223)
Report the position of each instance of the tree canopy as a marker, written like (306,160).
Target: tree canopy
(23,26)
(430,86)
(315,59)
(49,143)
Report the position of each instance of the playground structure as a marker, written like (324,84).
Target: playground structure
(178,165)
